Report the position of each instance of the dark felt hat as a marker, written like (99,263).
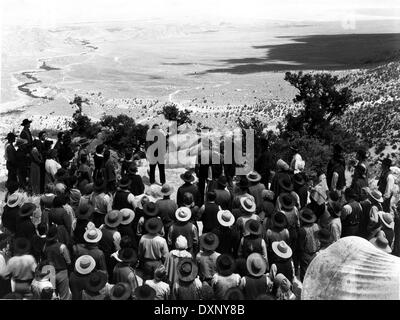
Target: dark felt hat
(21,246)
(27,209)
(128,255)
(187,270)
(225,264)
(144,292)
(153,225)
(307,216)
(96,281)
(187,176)
(287,201)
(279,220)
(25,122)
(209,241)
(285,183)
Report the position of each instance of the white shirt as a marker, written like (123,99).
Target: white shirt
(52,166)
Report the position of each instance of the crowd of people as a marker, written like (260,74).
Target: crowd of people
(104,234)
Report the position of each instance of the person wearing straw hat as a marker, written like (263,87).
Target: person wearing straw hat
(150,210)
(121,291)
(380,242)
(96,287)
(102,202)
(371,207)
(166,207)
(21,267)
(283,262)
(161,288)
(207,257)
(308,242)
(41,282)
(248,212)
(256,282)
(126,226)
(57,254)
(125,270)
(335,224)
(92,237)
(225,278)
(26,132)
(240,191)
(284,288)
(253,241)
(184,227)
(188,186)
(267,207)
(256,188)
(25,227)
(84,265)
(228,235)
(109,242)
(123,198)
(173,258)
(153,248)
(11,211)
(387,225)
(277,232)
(300,187)
(335,174)
(188,285)
(83,216)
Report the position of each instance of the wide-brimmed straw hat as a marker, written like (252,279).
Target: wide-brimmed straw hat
(247,204)
(307,216)
(287,201)
(209,241)
(381,242)
(225,265)
(187,270)
(128,255)
(127,216)
(27,209)
(96,281)
(85,211)
(183,214)
(253,227)
(113,218)
(21,246)
(144,292)
(166,190)
(387,219)
(120,291)
(281,249)
(256,264)
(15,200)
(187,176)
(92,235)
(225,218)
(150,209)
(285,183)
(153,225)
(253,176)
(85,264)
(124,183)
(376,195)
(279,220)
(268,195)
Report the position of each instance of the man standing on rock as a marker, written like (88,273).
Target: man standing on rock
(11,158)
(161,166)
(386,184)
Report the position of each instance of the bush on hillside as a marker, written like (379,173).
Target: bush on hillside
(171,112)
(81,125)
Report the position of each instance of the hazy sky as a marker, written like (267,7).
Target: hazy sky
(48,12)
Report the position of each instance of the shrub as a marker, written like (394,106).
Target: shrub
(171,112)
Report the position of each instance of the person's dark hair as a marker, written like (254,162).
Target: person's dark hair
(100,148)
(46,293)
(188,198)
(83,158)
(126,242)
(59,201)
(60,135)
(211,196)
(349,193)
(241,267)
(41,133)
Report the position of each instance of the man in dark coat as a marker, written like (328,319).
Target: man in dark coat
(166,206)
(25,227)
(208,213)
(335,176)
(110,175)
(224,196)
(161,166)
(137,186)
(11,158)
(188,178)
(264,163)
(26,132)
